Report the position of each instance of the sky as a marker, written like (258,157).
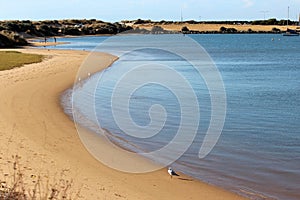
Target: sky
(117,10)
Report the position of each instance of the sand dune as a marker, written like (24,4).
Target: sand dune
(216,27)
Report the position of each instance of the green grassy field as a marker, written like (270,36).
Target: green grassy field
(12,59)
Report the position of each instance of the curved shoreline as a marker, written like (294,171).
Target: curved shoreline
(34,126)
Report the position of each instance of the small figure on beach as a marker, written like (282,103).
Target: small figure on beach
(45,39)
(172,172)
(54,39)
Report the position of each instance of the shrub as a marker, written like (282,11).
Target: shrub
(157,29)
(185,29)
(11,39)
(223,29)
(227,30)
(276,30)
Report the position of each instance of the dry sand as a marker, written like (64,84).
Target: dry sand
(216,27)
(34,126)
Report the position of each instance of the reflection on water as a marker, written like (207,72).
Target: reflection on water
(258,153)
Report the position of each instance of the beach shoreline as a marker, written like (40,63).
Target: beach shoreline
(50,41)
(35,127)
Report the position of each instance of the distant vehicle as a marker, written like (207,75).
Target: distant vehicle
(290,32)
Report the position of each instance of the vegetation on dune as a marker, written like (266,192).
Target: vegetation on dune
(11,39)
(238,26)
(46,28)
(271,21)
(12,59)
(12,33)
(17,184)
(185,29)
(227,30)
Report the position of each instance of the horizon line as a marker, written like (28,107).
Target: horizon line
(151,20)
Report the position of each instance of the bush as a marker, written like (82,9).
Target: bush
(72,31)
(227,30)
(276,30)
(140,21)
(157,29)
(5,42)
(11,39)
(223,29)
(184,29)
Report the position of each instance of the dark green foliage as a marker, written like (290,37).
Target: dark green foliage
(282,22)
(276,30)
(273,21)
(12,32)
(62,27)
(231,30)
(185,30)
(157,30)
(222,29)
(11,39)
(141,21)
(71,31)
(191,22)
(5,42)
(227,30)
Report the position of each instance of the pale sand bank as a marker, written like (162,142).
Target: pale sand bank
(43,44)
(33,125)
(216,27)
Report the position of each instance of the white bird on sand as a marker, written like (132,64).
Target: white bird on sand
(172,172)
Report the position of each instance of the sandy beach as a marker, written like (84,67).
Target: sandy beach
(34,127)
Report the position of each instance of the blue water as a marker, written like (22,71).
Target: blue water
(77,43)
(258,152)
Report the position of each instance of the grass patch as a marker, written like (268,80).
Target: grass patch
(12,59)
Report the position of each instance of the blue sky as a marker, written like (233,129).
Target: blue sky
(116,10)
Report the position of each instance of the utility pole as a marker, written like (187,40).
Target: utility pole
(288,16)
(181,18)
(264,12)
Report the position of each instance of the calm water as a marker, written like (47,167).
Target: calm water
(258,152)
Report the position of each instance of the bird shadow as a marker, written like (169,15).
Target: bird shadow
(185,179)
